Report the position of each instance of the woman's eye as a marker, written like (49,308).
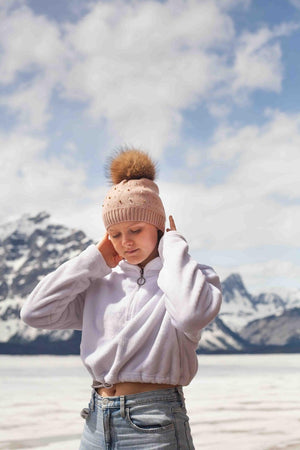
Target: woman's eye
(135,231)
(115,236)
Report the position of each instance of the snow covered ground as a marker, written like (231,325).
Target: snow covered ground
(248,402)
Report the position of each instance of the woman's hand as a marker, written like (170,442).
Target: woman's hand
(105,247)
(172,224)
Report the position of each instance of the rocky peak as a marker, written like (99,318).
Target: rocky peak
(32,247)
(39,217)
(233,286)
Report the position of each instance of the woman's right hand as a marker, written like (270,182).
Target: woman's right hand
(105,247)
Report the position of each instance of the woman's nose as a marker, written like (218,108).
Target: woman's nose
(127,241)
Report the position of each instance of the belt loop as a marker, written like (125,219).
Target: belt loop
(122,406)
(181,396)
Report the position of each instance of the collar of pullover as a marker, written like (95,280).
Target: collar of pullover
(153,266)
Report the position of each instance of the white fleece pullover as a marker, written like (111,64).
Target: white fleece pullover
(145,334)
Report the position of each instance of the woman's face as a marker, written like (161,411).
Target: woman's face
(136,242)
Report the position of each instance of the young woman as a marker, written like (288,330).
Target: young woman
(141,302)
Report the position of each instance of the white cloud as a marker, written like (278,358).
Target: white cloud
(193,157)
(29,42)
(245,210)
(140,64)
(295,3)
(136,66)
(258,59)
(140,80)
(30,103)
(234,3)
(218,110)
(71,147)
(32,47)
(268,276)
(31,183)
(268,156)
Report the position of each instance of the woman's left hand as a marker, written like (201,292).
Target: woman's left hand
(172,224)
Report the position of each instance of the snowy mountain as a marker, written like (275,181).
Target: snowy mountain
(218,338)
(292,297)
(33,246)
(240,307)
(279,332)
(263,323)
(30,248)
(276,333)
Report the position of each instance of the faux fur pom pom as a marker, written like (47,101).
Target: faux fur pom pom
(131,164)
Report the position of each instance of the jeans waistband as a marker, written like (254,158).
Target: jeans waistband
(169,394)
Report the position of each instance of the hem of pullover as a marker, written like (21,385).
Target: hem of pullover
(134,378)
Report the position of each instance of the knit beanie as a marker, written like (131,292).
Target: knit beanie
(134,196)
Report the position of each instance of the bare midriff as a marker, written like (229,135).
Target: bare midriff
(128,388)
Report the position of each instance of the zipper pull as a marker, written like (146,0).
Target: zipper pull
(141,280)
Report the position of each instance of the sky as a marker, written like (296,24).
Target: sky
(209,88)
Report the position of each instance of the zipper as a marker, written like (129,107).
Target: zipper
(141,280)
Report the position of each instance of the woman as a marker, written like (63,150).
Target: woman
(141,302)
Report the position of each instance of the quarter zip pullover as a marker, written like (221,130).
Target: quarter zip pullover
(138,325)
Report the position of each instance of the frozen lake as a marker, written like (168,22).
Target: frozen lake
(241,402)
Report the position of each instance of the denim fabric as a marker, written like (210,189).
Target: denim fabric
(149,420)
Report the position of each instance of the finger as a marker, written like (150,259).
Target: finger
(172,223)
(104,239)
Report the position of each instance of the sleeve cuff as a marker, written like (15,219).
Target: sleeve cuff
(96,262)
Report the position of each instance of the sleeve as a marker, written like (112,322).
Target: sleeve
(57,301)
(192,291)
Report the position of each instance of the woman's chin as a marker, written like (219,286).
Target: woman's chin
(133,258)
(139,258)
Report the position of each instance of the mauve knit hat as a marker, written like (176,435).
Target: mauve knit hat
(134,195)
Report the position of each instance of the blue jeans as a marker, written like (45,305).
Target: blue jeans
(149,420)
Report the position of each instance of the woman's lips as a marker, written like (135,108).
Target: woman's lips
(130,252)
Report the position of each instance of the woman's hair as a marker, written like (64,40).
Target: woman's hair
(159,235)
(134,195)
